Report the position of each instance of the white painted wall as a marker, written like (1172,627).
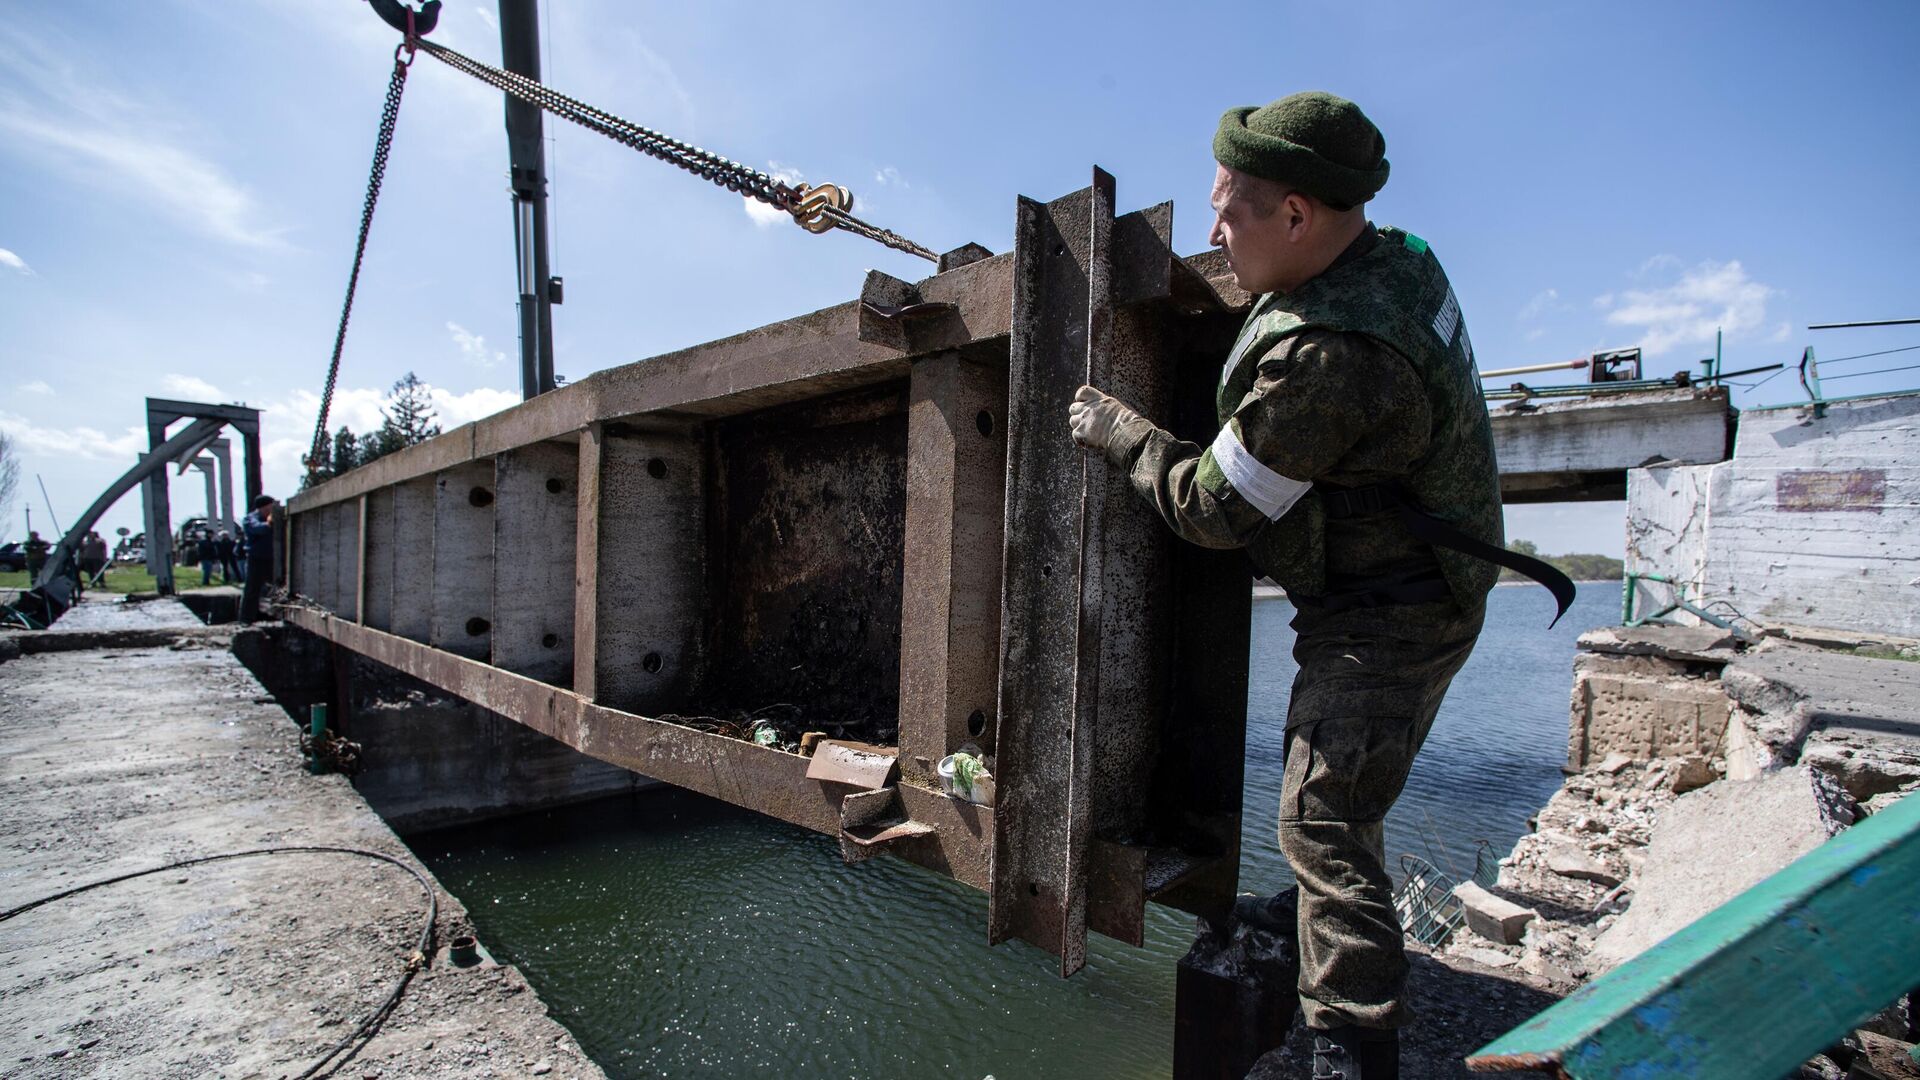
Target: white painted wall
(1815,522)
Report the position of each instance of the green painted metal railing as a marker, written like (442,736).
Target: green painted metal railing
(1756,986)
(1629,590)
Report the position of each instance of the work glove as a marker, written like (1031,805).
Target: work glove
(1095,417)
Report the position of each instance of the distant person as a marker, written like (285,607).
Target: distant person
(257,529)
(224,547)
(36,556)
(209,555)
(93,557)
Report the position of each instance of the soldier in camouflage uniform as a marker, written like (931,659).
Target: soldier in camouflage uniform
(1351,418)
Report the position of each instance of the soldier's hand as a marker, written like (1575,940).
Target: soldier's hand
(1094,417)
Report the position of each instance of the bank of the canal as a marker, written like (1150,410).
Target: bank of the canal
(115,760)
(676,936)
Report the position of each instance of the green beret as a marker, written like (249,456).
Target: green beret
(1312,142)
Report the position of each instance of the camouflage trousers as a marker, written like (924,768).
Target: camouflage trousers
(1370,683)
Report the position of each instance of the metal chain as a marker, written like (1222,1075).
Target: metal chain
(383,143)
(724,172)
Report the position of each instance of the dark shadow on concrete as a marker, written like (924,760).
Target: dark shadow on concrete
(1460,1006)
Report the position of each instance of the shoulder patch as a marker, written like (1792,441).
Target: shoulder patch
(1447,320)
(1415,244)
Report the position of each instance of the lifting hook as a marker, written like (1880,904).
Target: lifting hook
(405,19)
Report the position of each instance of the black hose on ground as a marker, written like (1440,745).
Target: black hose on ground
(362,1032)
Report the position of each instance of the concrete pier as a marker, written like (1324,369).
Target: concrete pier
(114,760)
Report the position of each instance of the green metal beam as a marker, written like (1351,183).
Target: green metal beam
(1756,986)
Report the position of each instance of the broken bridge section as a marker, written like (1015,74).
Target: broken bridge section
(798,568)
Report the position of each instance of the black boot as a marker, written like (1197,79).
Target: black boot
(1351,1053)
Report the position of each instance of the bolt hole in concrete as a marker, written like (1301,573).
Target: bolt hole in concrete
(548,641)
(651,662)
(977,723)
(480,497)
(555,485)
(477,626)
(984,421)
(657,468)
(718,907)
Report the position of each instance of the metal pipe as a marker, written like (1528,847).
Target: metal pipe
(1851,325)
(526,154)
(1557,365)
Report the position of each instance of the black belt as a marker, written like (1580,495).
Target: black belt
(1344,502)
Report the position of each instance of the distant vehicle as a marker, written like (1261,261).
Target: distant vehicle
(134,554)
(13,556)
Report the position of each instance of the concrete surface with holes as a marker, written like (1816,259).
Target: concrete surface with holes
(117,760)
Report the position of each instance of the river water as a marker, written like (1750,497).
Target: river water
(677,936)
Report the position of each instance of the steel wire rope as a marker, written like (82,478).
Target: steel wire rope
(724,172)
(374,1019)
(1864,355)
(1838,360)
(1876,371)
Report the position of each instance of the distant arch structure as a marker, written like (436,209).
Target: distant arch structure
(197,445)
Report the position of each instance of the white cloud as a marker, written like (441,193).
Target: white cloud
(1657,263)
(663,74)
(192,387)
(98,136)
(473,346)
(358,409)
(9,259)
(768,216)
(1543,301)
(37,386)
(473,405)
(82,442)
(487,17)
(888,176)
(1711,296)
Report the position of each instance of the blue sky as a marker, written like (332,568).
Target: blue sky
(180,182)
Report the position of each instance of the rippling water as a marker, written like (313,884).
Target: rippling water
(677,936)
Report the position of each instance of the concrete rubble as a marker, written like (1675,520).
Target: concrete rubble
(1717,842)
(1697,767)
(1492,917)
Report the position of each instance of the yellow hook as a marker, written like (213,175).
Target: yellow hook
(810,209)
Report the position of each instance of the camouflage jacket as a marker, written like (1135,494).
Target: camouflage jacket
(1362,375)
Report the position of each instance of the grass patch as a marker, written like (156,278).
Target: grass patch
(121,578)
(1885,652)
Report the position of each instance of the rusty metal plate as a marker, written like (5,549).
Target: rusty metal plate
(860,765)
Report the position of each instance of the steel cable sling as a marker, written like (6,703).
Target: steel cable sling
(819,208)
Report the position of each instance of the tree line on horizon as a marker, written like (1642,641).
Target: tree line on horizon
(1584,567)
(406,418)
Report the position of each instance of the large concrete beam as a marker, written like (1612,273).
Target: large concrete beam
(1581,448)
(824,526)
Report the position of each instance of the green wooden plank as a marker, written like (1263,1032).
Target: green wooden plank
(1756,986)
